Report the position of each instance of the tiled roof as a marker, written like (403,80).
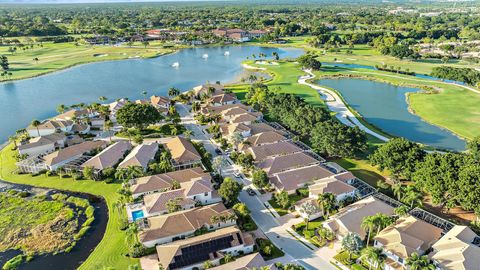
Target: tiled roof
(157,202)
(277,164)
(43,140)
(182,150)
(110,156)
(264,138)
(141,155)
(291,180)
(275,149)
(72,151)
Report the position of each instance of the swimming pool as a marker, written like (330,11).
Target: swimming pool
(137,215)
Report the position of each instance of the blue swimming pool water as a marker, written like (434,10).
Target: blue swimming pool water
(137,215)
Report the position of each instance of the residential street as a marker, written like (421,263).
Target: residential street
(293,248)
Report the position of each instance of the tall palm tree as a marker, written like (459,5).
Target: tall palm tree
(13,139)
(327,202)
(412,196)
(172,91)
(368,223)
(188,133)
(381,221)
(401,210)
(417,262)
(107,126)
(397,190)
(35,123)
(61,108)
(102,98)
(374,257)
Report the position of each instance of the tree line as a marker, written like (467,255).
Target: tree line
(313,124)
(466,75)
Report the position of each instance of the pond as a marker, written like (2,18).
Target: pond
(36,98)
(385,106)
(84,246)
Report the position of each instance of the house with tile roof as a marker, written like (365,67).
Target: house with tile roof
(458,249)
(292,180)
(180,225)
(276,164)
(262,152)
(406,236)
(163,182)
(42,145)
(109,157)
(63,156)
(263,138)
(192,252)
(48,127)
(140,156)
(349,218)
(331,184)
(184,155)
(247,262)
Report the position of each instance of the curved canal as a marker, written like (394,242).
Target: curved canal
(36,98)
(385,106)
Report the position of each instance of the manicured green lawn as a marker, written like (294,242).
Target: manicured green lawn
(362,169)
(111,250)
(57,56)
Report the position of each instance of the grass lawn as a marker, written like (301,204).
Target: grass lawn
(111,250)
(57,56)
(362,169)
(293,199)
(266,246)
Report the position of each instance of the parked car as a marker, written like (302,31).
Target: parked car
(218,151)
(251,192)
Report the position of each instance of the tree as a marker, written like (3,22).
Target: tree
(327,202)
(4,65)
(397,189)
(282,199)
(228,258)
(309,208)
(381,221)
(107,126)
(172,92)
(417,262)
(218,163)
(309,61)
(241,210)
(88,172)
(144,94)
(260,178)
(229,190)
(195,106)
(102,98)
(401,210)
(145,43)
(137,115)
(13,139)
(207,265)
(61,108)
(236,138)
(335,139)
(173,205)
(35,123)
(412,196)
(398,155)
(352,243)
(374,256)
(188,134)
(474,147)
(368,223)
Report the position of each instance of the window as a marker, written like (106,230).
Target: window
(206,194)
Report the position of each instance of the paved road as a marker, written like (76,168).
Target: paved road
(262,217)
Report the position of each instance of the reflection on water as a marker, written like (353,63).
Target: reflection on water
(385,106)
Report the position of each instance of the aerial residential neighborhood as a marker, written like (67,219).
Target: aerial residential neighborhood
(240,135)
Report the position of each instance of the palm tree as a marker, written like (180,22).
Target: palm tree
(374,256)
(368,223)
(144,93)
(196,106)
(13,139)
(401,210)
(215,219)
(327,202)
(252,78)
(397,190)
(35,123)
(173,205)
(381,221)
(228,258)
(61,108)
(107,126)
(309,208)
(172,91)
(417,262)
(102,98)
(188,133)
(412,196)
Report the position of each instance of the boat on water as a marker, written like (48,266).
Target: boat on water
(205,56)
(227,53)
(176,65)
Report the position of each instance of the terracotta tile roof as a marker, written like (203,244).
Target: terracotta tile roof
(408,235)
(141,155)
(262,152)
(70,114)
(204,89)
(227,107)
(160,101)
(182,150)
(52,124)
(43,140)
(257,128)
(223,98)
(456,251)
(164,181)
(157,202)
(330,185)
(277,164)
(197,187)
(72,151)
(264,138)
(229,129)
(79,127)
(243,118)
(292,180)
(247,262)
(182,222)
(110,156)
(351,216)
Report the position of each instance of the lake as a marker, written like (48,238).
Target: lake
(384,105)
(36,98)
